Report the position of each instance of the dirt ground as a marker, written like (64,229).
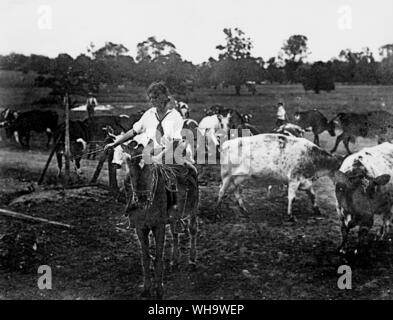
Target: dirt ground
(99,260)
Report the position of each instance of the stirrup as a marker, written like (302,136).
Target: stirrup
(126,223)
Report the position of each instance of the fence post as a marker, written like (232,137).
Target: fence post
(55,146)
(67,139)
(112,172)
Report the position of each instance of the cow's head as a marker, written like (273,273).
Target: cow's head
(247,117)
(8,117)
(183,109)
(358,195)
(331,128)
(290,129)
(297,116)
(225,119)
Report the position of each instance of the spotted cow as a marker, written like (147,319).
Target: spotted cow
(274,159)
(364,188)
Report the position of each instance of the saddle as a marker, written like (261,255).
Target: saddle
(186,175)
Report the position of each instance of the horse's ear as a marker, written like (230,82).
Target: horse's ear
(133,144)
(140,147)
(127,148)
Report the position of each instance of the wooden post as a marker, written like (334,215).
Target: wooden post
(67,139)
(99,167)
(112,172)
(50,159)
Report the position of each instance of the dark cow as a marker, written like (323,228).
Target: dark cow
(215,110)
(372,124)
(239,121)
(364,188)
(78,143)
(95,125)
(22,124)
(84,135)
(317,121)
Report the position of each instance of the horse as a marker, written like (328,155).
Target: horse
(152,198)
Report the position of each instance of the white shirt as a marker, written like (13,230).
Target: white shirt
(281,113)
(91,101)
(172,126)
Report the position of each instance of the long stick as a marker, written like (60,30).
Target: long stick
(99,167)
(49,160)
(22,216)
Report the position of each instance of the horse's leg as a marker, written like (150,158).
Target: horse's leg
(175,248)
(159,235)
(193,238)
(143,236)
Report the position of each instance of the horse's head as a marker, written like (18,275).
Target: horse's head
(142,174)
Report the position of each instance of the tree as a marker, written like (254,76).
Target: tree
(152,49)
(356,67)
(110,64)
(14,61)
(273,72)
(235,65)
(110,49)
(385,70)
(317,77)
(237,46)
(295,49)
(37,63)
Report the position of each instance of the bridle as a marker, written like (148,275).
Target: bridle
(135,193)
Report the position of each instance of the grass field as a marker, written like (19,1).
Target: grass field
(289,261)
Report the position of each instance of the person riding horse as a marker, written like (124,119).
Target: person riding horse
(163,124)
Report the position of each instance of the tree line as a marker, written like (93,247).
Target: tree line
(235,66)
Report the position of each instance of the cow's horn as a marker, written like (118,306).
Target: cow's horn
(84,143)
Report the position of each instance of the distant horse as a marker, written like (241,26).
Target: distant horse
(152,199)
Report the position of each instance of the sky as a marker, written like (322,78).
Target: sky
(50,27)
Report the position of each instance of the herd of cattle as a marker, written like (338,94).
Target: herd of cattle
(363,180)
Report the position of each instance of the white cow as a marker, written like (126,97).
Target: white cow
(364,188)
(214,126)
(275,160)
